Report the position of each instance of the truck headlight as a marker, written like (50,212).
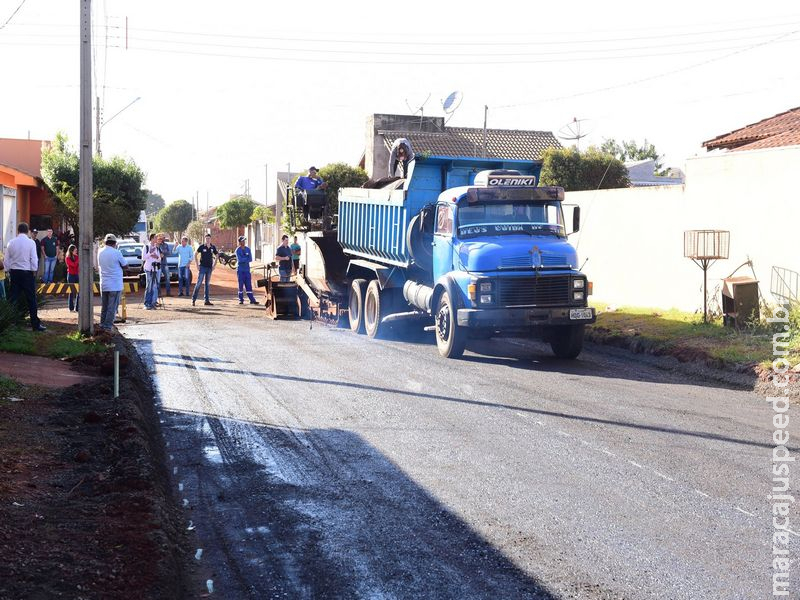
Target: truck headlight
(577,295)
(578,284)
(486,287)
(486,299)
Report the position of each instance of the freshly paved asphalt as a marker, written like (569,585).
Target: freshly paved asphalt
(315,463)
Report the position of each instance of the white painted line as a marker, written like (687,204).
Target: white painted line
(190,527)
(171,457)
(539,423)
(180,487)
(174,470)
(198,554)
(703,494)
(793,532)
(210,586)
(662,475)
(745,512)
(607,452)
(185,502)
(635,464)
(519,414)
(564,433)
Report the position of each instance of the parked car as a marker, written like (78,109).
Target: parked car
(132,252)
(172,264)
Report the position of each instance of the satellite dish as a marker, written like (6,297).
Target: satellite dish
(451,103)
(420,110)
(574,131)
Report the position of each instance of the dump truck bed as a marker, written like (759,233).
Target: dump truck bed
(373,222)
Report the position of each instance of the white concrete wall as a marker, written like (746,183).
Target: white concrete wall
(633,238)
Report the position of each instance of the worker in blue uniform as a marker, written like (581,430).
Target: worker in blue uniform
(243,259)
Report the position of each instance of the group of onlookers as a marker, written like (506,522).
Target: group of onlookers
(24,253)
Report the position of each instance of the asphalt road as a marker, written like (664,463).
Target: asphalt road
(315,463)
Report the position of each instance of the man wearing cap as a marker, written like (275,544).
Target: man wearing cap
(311,181)
(111,263)
(243,259)
(22,261)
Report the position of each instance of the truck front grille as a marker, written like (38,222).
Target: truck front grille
(535,291)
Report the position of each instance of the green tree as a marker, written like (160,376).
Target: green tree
(175,216)
(630,150)
(118,195)
(262,213)
(154,202)
(236,213)
(575,171)
(196,231)
(340,175)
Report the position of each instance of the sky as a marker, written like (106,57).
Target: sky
(218,97)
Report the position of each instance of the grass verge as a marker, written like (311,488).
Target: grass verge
(56,343)
(8,387)
(685,336)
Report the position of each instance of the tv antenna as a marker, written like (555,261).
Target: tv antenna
(573,131)
(420,110)
(451,104)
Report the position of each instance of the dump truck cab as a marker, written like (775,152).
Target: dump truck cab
(502,258)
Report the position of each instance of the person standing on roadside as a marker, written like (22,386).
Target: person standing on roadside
(163,248)
(34,235)
(73,264)
(111,263)
(50,251)
(205,258)
(284,257)
(22,263)
(296,250)
(244,257)
(185,255)
(151,272)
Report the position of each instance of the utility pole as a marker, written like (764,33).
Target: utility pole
(85,185)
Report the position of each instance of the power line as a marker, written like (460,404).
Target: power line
(16,10)
(652,77)
(458,54)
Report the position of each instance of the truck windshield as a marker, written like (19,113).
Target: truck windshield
(510,218)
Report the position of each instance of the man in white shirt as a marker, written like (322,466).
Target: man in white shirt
(22,262)
(111,263)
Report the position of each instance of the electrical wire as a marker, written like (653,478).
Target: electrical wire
(13,14)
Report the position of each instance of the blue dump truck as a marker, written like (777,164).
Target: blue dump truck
(471,244)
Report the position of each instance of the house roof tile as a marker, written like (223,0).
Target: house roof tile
(468,141)
(782,129)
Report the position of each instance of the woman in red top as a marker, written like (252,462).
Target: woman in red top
(72,274)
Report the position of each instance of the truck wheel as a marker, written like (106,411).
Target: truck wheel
(356,304)
(450,338)
(375,305)
(567,341)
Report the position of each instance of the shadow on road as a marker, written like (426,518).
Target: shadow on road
(321,513)
(471,402)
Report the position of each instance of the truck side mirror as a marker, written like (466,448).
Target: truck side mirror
(576,218)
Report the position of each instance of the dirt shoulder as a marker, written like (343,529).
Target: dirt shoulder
(86,509)
(682,342)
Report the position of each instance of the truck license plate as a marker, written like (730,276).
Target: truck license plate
(579,314)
